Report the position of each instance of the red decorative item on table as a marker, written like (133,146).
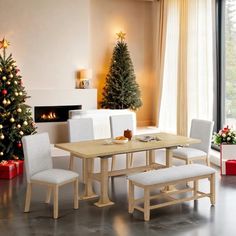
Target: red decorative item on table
(7,170)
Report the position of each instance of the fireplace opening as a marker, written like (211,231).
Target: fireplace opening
(53,113)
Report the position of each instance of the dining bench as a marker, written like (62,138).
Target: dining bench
(164,178)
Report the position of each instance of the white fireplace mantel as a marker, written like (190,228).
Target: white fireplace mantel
(60,97)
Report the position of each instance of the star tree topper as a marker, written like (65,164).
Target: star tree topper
(4,44)
(121,36)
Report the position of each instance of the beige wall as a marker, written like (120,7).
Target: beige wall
(135,18)
(49,39)
(52,39)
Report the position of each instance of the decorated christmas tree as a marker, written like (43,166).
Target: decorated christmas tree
(121,90)
(15,115)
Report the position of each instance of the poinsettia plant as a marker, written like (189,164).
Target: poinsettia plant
(225,135)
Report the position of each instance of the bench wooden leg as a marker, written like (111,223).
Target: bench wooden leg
(212,187)
(131,197)
(146,204)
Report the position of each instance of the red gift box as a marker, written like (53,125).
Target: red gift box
(19,166)
(230,167)
(7,170)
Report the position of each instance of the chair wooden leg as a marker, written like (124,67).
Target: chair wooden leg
(48,196)
(146,204)
(113,162)
(28,197)
(131,197)
(71,163)
(195,188)
(55,201)
(212,187)
(147,158)
(76,193)
(208,161)
(131,161)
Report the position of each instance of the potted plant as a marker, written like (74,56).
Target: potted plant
(226,138)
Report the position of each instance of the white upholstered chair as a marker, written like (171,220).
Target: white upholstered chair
(200,129)
(80,129)
(118,124)
(39,170)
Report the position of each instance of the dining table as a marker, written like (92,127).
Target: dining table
(105,149)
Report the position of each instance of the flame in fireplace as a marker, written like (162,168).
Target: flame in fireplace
(49,116)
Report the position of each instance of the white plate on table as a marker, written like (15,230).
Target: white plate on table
(121,141)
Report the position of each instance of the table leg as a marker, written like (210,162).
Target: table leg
(104,198)
(169,159)
(88,165)
(169,163)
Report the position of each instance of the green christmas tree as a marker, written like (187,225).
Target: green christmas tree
(15,115)
(121,90)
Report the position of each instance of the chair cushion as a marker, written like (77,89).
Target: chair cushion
(175,173)
(54,176)
(188,153)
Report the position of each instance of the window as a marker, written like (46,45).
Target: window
(230,62)
(227,71)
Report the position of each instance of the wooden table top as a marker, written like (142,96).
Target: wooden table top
(98,148)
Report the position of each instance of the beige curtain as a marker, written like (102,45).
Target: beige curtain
(187,90)
(159,45)
(182,106)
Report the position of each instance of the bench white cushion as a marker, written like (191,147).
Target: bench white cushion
(54,176)
(175,173)
(188,153)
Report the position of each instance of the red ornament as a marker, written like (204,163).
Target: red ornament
(19,144)
(4,92)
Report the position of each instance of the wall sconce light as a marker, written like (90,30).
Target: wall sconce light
(84,78)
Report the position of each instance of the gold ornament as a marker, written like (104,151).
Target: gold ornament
(13,64)
(21,132)
(16,93)
(8,102)
(4,78)
(20,93)
(4,43)
(19,110)
(2,136)
(1,153)
(11,76)
(18,126)
(12,120)
(4,101)
(1,126)
(15,82)
(10,67)
(0,69)
(8,82)
(25,123)
(121,36)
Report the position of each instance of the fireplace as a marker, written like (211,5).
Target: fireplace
(49,98)
(53,113)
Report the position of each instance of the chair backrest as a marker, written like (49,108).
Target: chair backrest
(37,153)
(119,123)
(202,129)
(80,129)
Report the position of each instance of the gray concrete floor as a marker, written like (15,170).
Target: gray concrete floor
(188,219)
